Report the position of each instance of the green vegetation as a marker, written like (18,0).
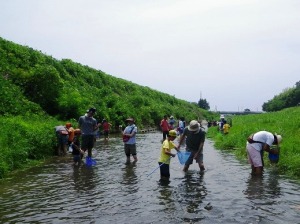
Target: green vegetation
(285,123)
(39,92)
(290,97)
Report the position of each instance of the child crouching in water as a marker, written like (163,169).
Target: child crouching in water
(77,152)
(165,155)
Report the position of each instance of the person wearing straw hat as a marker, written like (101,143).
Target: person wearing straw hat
(166,154)
(257,143)
(194,138)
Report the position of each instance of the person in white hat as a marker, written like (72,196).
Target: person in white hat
(129,140)
(194,137)
(257,143)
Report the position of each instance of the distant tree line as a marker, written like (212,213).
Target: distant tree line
(290,97)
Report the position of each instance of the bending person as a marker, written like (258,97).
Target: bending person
(194,137)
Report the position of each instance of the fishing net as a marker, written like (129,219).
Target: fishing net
(89,161)
(183,156)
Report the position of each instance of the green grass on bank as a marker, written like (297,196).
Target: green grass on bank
(25,141)
(285,123)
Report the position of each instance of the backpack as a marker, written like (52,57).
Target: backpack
(250,140)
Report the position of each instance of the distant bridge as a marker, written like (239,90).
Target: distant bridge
(240,112)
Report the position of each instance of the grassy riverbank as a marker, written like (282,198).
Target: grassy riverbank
(25,141)
(285,123)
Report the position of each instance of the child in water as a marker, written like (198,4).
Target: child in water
(165,155)
(77,152)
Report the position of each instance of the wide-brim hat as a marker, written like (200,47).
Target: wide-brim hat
(194,126)
(279,138)
(130,119)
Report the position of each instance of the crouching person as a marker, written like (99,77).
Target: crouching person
(76,150)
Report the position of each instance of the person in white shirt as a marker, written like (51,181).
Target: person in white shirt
(258,143)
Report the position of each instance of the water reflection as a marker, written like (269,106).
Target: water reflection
(255,188)
(84,178)
(263,187)
(192,191)
(167,198)
(130,179)
(112,192)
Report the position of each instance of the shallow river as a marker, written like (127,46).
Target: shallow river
(112,192)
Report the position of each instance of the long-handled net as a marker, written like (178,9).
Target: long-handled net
(183,156)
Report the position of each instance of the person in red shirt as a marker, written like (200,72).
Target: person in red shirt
(106,127)
(164,127)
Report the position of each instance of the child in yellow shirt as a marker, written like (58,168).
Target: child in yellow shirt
(226,128)
(165,155)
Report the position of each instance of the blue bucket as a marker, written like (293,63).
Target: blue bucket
(274,158)
(183,156)
(89,161)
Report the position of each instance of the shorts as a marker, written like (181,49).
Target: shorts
(105,133)
(199,158)
(254,156)
(164,169)
(87,141)
(62,139)
(130,149)
(76,158)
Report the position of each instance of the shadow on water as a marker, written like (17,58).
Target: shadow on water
(112,192)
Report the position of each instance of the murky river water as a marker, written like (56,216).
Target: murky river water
(112,192)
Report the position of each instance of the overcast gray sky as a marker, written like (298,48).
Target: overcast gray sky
(236,54)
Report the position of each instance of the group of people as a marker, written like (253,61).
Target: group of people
(193,136)
(223,125)
(169,124)
(81,139)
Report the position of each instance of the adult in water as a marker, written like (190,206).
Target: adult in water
(130,144)
(88,125)
(194,137)
(257,143)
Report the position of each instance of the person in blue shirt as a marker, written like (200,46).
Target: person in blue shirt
(130,143)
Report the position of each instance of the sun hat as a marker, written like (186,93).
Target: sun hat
(172,133)
(130,119)
(171,117)
(279,138)
(194,126)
